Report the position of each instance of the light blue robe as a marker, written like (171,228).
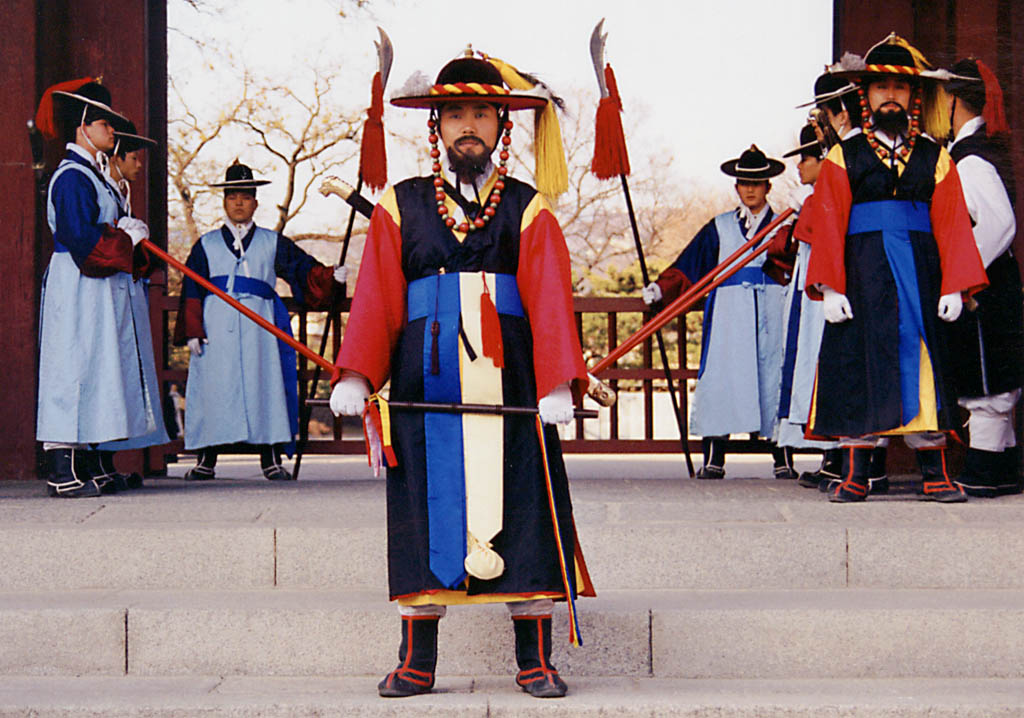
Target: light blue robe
(91,388)
(741,366)
(810,326)
(138,296)
(235,390)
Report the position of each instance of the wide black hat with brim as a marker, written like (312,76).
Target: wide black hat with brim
(828,87)
(239,176)
(92,98)
(130,140)
(753,164)
(467,79)
(809,144)
(891,56)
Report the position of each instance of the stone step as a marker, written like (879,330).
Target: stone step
(635,534)
(847,633)
(495,696)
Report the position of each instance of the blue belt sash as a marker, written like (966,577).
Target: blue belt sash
(438,299)
(896,219)
(747,275)
(289,370)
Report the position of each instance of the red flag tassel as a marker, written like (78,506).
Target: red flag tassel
(610,156)
(373,164)
(490,329)
(994,114)
(383,433)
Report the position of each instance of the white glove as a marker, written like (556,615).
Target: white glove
(134,228)
(556,407)
(950,306)
(195,345)
(837,307)
(340,274)
(349,396)
(651,293)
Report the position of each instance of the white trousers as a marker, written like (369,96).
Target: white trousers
(991,420)
(536,607)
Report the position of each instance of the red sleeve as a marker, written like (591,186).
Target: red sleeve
(190,321)
(378,305)
(544,277)
(113,253)
(802,230)
(320,286)
(962,268)
(828,221)
(673,282)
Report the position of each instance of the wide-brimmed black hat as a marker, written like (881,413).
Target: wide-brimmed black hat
(829,87)
(239,176)
(893,56)
(464,79)
(130,140)
(809,145)
(87,103)
(966,82)
(753,164)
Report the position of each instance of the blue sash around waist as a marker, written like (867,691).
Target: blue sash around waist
(424,301)
(748,275)
(890,216)
(289,370)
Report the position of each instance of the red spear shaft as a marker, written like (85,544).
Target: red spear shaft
(269,326)
(694,294)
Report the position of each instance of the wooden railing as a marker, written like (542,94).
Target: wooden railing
(637,374)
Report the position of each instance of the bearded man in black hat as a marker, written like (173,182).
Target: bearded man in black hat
(989,336)
(464,295)
(892,253)
(91,388)
(741,352)
(242,381)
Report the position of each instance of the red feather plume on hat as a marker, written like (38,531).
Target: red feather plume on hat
(45,120)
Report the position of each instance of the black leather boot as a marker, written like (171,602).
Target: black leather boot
(982,473)
(934,479)
(206,460)
(830,469)
(123,482)
(71,477)
(536,675)
(783,458)
(714,458)
(109,481)
(1011,470)
(854,484)
(270,462)
(417,658)
(878,477)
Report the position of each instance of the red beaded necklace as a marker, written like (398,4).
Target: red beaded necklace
(869,131)
(481,220)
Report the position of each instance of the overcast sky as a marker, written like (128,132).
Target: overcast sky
(700,80)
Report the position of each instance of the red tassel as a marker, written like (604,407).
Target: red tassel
(45,120)
(373,164)
(610,156)
(994,114)
(490,329)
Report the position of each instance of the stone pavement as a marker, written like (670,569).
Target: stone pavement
(742,597)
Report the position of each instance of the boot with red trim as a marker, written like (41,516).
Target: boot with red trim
(536,675)
(417,657)
(935,481)
(854,484)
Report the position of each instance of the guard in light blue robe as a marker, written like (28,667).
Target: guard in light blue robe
(741,351)
(242,381)
(91,388)
(138,298)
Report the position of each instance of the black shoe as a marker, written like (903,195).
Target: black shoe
(854,485)
(813,479)
(711,472)
(277,473)
(935,483)
(878,485)
(831,467)
(783,458)
(133,480)
(986,474)
(785,472)
(72,475)
(199,473)
(536,675)
(417,658)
